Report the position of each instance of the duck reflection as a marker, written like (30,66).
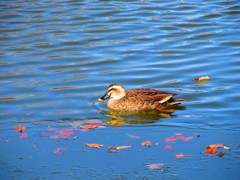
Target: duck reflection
(120,118)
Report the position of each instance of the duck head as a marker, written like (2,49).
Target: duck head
(114,91)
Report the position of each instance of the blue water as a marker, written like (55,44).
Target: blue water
(58,57)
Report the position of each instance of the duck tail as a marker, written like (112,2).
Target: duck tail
(176,101)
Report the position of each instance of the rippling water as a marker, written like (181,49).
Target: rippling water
(58,57)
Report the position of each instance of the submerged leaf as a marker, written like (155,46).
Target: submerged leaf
(155,166)
(185,138)
(168,147)
(171,138)
(133,136)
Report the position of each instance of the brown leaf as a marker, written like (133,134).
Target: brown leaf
(220,154)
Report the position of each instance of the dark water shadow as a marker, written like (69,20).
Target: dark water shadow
(120,118)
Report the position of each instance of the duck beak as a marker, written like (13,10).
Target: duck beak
(106,96)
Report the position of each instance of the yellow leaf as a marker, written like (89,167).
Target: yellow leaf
(202,79)
(122,147)
(227,148)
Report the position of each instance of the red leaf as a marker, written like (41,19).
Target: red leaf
(20,128)
(93,123)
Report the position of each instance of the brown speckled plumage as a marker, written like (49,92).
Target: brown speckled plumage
(137,99)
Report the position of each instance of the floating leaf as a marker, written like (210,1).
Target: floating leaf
(202,79)
(168,147)
(122,147)
(178,134)
(146,143)
(211,150)
(133,136)
(179,156)
(112,149)
(94,145)
(20,128)
(216,145)
(220,154)
(227,148)
(155,166)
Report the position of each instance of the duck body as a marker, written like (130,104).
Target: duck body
(137,99)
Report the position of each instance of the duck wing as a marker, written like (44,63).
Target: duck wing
(149,95)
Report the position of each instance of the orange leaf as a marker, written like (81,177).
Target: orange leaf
(216,145)
(20,128)
(179,156)
(178,134)
(146,143)
(122,147)
(211,150)
(94,145)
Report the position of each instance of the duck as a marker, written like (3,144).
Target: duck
(137,99)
